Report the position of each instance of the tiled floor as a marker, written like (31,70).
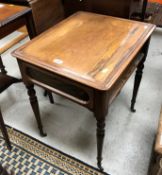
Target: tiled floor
(71,128)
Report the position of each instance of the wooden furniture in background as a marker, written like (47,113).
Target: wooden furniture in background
(144,7)
(23,33)
(46,13)
(18,16)
(87,58)
(5,82)
(122,8)
(12,18)
(53,10)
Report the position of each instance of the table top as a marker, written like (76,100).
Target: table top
(9,12)
(89,48)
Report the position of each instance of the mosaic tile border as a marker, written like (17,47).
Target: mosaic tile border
(57,160)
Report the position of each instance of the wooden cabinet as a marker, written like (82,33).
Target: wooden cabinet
(119,8)
(46,13)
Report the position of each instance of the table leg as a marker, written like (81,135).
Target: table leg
(30,26)
(33,33)
(2,67)
(46,92)
(144,6)
(137,82)
(100,112)
(4,132)
(138,76)
(35,107)
(100,141)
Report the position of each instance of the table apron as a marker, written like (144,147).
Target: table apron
(66,87)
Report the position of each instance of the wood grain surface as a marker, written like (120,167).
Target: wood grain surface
(9,12)
(89,48)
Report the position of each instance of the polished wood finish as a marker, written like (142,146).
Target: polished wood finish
(138,77)
(12,18)
(15,16)
(55,10)
(87,58)
(46,13)
(9,12)
(35,107)
(11,43)
(96,65)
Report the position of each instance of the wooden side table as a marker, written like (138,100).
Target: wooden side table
(12,17)
(86,58)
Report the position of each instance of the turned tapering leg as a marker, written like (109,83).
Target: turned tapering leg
(144,7)
(137,82)
(138,76)
(100,112)
(49,95)
(100,141)
(2,67)
(31,26)
(4,132)
(35,107)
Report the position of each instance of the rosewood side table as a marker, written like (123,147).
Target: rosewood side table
(12,17)
(86,58)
